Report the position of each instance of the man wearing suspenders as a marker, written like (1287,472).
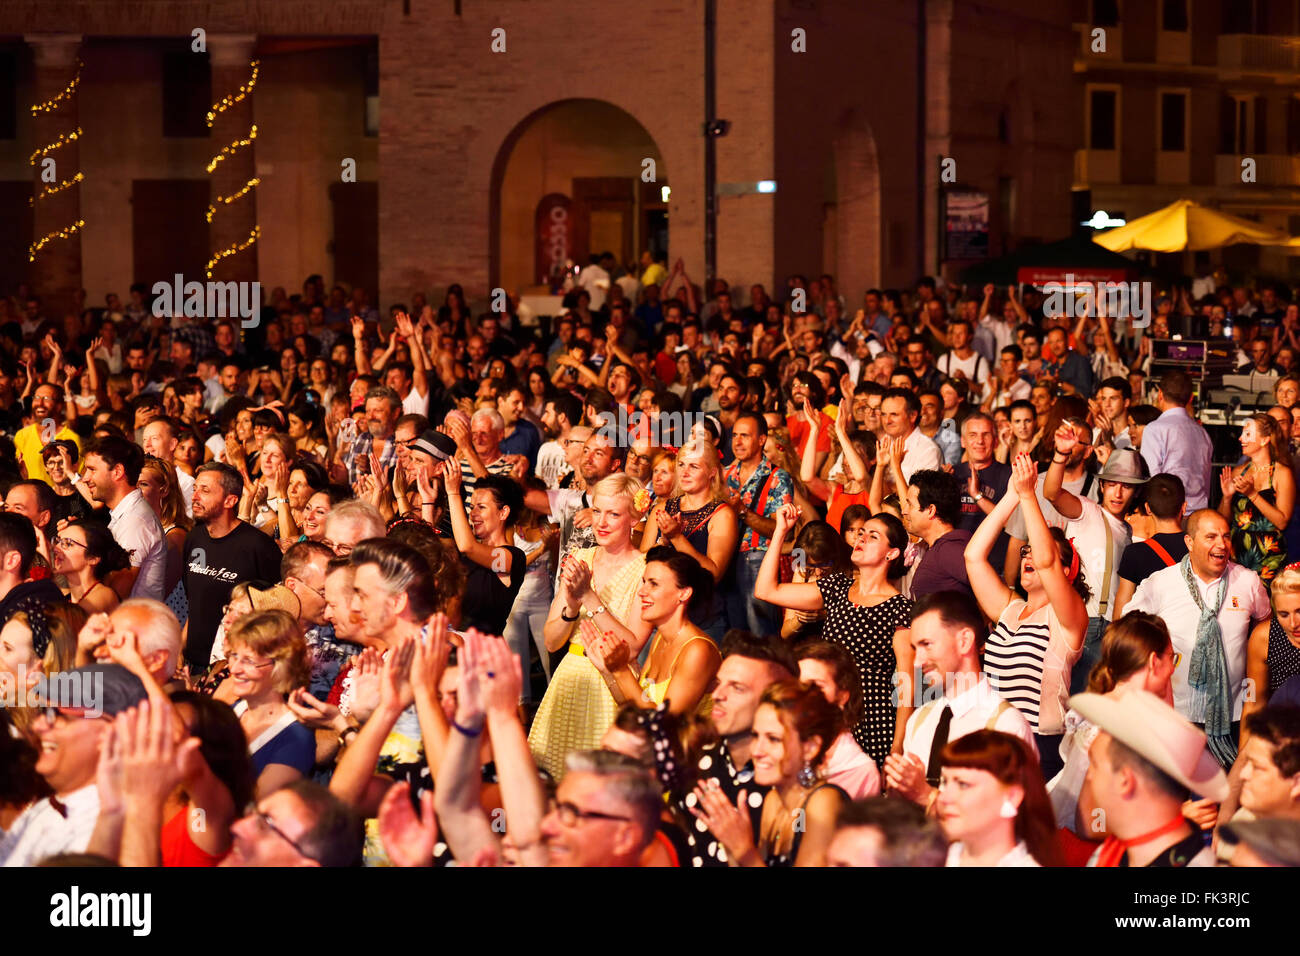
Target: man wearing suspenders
(955,698)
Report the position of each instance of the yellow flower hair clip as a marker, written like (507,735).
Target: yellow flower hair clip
(641,501)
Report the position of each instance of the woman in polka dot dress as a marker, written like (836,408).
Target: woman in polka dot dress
(865,614)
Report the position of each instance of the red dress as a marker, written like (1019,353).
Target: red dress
(178,847)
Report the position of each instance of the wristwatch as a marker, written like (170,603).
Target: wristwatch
(274,503)
(345,738)
(979,496)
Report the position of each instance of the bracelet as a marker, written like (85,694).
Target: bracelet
(1060,461)
(600,609)
(466,731)
(565,617)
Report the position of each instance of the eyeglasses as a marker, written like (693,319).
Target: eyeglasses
(319,592)
(244,660)
(340,550)
(69,543)
(264,822)
(571,814)
(1025,550)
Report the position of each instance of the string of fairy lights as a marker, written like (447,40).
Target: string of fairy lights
(226,102)
(64,98)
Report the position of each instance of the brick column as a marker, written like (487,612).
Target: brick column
(232,223)
(55,270)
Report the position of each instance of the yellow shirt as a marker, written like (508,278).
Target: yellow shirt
(29,444)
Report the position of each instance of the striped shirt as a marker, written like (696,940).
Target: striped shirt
(1014,656)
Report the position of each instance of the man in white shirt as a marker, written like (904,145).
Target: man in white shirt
(160,440)
(559,416)
(899,411)
(961,360)
(596,281)
(82,704)
(1245,604)
(947,631)
(112,470)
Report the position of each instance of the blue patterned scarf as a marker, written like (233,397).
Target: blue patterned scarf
(1207,670)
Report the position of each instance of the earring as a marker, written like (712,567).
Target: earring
(1009,810)
(807,776)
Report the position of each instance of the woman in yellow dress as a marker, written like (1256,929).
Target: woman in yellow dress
(683,659)
(600,583)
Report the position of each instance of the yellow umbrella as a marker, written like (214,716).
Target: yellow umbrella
(1187,225)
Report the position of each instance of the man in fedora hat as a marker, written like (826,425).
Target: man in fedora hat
(1142,766)
(1099,533)
(1210,604)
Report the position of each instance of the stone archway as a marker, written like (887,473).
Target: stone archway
(589,150)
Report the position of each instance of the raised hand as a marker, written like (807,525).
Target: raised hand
(151,758)
(453,480)
(315,713)
(408,839)
(423,483)
(786,518)
(1244,483)
(1024,476)
(431,656)
(670,526)
(365,684)
(395,681)
(973,482)
(1226,482)
(501,677)
(884,451)
(1066,439)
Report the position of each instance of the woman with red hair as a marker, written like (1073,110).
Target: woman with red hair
(993,805)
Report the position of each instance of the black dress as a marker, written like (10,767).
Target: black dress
(1283,657)
(868,634)
(487,602)
(788,858)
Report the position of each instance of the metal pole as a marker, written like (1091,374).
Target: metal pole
(710,153)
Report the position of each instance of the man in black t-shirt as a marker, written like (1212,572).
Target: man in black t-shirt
(220,552)
(1165,503)
(978,440)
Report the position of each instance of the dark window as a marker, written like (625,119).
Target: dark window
(1238,16)
(1293,126)
(1227,124)
(1172,122)
(1102,133)
(8,94)
(1105,13)
(187,94)
(1004,131)
(1261,124)
(1174,16)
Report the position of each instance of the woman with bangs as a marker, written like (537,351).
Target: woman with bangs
(267,658)
(794,728)
(696,522)
(600,583)
(864,613)
(1035,640)
(993,805)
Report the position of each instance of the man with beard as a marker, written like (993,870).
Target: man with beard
(1210,604)
(559,416)
(749,665)
(220,551)
(520,436)
(383,408)
(730,394)
(47,425)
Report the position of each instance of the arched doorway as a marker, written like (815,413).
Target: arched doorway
(599,158)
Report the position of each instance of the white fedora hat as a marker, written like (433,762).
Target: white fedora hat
(1160,734)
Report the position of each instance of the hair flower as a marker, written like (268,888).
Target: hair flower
(641,501)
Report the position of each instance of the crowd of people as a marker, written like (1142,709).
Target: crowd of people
(677,577)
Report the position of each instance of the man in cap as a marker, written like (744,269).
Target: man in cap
(1210,604)
(430,452)
(1143,765)
(79,706)
(1099,533)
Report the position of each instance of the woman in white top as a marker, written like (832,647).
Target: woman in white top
(992,804)
(1035,641)
(1135,653)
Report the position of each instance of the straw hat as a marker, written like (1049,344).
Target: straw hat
(275,598)
(1160,734)
(1126,466)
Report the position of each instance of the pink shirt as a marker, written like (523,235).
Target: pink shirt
(850,769)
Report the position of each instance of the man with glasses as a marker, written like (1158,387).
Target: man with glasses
(79,706)
(301,824)
(606,811)
(350,522)
(220,551)
(303,570)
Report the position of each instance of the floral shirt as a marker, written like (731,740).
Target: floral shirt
(767,491)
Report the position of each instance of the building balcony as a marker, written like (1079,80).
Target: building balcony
(1250,52)
(1270,170)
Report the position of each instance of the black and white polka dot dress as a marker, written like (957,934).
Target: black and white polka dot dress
(1283,656)
(868,634)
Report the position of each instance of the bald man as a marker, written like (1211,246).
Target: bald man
(1206,577)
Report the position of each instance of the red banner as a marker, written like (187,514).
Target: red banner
(554,228)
